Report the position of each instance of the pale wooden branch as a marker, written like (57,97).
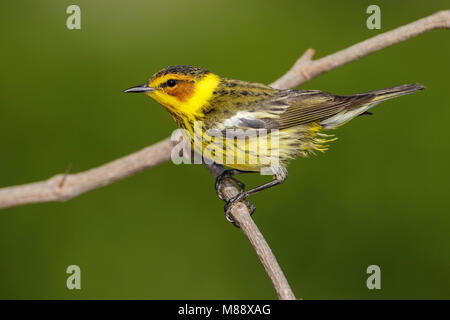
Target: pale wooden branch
(64,187)
(242,218)
(305,68)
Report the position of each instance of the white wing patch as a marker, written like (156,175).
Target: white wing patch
(239,119)
(254,119)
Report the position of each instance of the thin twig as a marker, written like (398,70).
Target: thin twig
(242,218)
(303,70)
(66,186)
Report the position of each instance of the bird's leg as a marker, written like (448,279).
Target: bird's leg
(279,177)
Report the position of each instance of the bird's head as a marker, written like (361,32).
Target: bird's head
(181,89)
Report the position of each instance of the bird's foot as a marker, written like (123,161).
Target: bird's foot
(226,175)
(241,197)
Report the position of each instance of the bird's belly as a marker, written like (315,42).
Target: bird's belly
(253,150)
(249,151)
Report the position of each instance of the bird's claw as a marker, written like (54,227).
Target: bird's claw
(221,178)
(238,198)
(230,204)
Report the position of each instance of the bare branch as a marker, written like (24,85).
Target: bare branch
(64,187)
(305,69)
(242,217)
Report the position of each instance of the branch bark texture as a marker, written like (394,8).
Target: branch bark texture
(305,69)
(63,187)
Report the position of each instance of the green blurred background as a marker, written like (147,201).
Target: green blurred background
(379,196)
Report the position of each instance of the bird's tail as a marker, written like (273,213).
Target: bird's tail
(389,93)
(362,102)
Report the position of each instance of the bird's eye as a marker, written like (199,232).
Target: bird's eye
(171,83)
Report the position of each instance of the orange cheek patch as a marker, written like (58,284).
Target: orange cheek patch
(182,91)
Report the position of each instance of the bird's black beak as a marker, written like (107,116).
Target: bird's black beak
(139,89)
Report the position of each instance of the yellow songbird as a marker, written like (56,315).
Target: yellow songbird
(250,126)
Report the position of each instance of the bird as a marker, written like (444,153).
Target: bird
(252,127)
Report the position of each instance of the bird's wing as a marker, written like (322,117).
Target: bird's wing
(315,106)
(292,108)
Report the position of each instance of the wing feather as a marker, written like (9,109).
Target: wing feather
(290,108)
